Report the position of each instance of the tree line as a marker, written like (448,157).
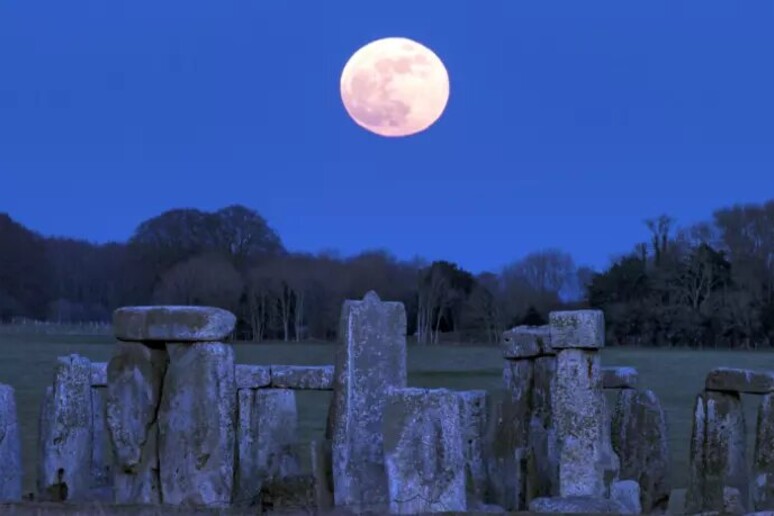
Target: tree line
(711,284)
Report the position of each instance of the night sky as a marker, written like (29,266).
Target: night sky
(568,123)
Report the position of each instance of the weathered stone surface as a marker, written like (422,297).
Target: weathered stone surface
(579,414)
(99,374)
(576,505)
(542,477)
(639,435)
(526,342)
(252,376)
(266,429)
(718,457)
(101,451)
(610,463)
(135,375)
(424,457)
(473,427)
(505,452)
(732,501)
(65,439)
(762,482)
(10,447)
(197,419)
(172,323)
(729,379)
(371,359)
(298,493)
(627,494)
(580,329)
(619,377)
(302,377)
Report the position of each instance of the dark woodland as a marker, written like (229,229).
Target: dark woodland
(707,285)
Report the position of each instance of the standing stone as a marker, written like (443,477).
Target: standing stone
(639,433)
(423,450)
(371,359)
(542,479)
(526,342)
(577,329)
(579,414)
(197,419)
(102,450)
(505,453)
(135,375)
(10,447)
(611,464)
(512,452)
(473,426)
(266,430)
(718,457)
(65,438)
(763,457)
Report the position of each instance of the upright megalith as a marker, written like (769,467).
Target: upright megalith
(587,463)
(763,457)
(424,455)
(10,447)
(135,375)
(717,451)
(370,360)
(66,433)
(473,405)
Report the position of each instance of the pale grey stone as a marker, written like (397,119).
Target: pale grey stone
(66,434)
(101,452)
(197,419)
(579,414)
(135,375)
(576,505)
(762,481)
(732,501)
(582,329)
(627,494)
(740,380)
(424,458)
(619,377)
(640,439)
(266,428)
(473,406)
(610,463)
(10,447)
(252,376)
(99,374)
(718,451)
(173,323)
(526,342)
(302,377)
(371,359)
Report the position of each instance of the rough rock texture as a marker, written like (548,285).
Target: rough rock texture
(740,380)
(424,457)
(252,376)
(371,359)
(102,450)
(542,477)
(172,323)
(10,447)
(526,342)
(302,377)
(65,433)
(611,464)
(579,413)
(627,494)
(197,419)
(99,374)
(135,375)
(473,427)
(619,377)
(639,435)
(580,329)
(266,429)
(732,501)
(576,505)
(762,482)
(505,452)
(717,458)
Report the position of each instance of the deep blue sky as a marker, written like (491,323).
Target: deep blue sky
(568,123)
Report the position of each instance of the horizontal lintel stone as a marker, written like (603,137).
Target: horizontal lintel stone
(748,381)
(250,376)
(319,378)
(526,342)
(177,324)
(580,329)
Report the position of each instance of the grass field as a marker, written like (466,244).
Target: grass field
(675,375)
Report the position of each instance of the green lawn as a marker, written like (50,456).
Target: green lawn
(675,375)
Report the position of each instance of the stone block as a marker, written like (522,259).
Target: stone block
(580,329)
(762,482)
(473,406)
(526,342)
(576,505)
(173,324)
(302,377)
(250,376)
(619,377)
(99,374)
(10,447)
(729,379)
(627,494)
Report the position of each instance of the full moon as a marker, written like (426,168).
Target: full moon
(394,87)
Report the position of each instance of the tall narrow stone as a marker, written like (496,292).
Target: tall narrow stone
(473,426)
(10,447)
(197,419)
(135,375)
(763,458)
(266,430)
(65,433)
(424,456)
(542,479)
(505,452)
(102,450)
(718,458)
(371,359)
